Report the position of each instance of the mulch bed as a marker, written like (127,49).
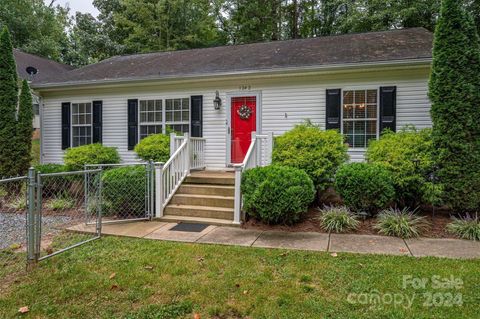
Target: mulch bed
(310,223)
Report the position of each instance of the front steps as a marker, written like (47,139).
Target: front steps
(204,197)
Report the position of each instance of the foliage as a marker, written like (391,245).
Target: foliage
(154,147)
(24,131)
(455,92)
(50,168)
(466,227)
(60,203)
(36,27)
(18,203)
(276,194)
(400,223)
(35,154)
(8,106)
(124,191)
(319,153)
(338,219)
(408,154)
(75,158)
(365,187)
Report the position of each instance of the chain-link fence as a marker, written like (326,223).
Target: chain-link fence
(65,203)
(13,223)
(127,191)
(42,215)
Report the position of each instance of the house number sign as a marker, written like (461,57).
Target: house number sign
(244,112)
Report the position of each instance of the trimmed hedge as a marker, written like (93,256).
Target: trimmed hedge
(75,158)
(154,147)
(409,155)
(319,153)
(276,194)
(124,191)
(365,187)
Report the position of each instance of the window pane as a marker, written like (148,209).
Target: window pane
(185,116)
(350,140)
(158,116)
(360,111)
(372,111)
(176,104)
(143,106)
(185,104)
(150,117)
(360,127)
(372,128)
(348,97)
(348,111)
(169,116)
(177,116)
(151,105)
(168,104)
(359,141)
(348,127)
(372,96)
(360,97)
(158,105)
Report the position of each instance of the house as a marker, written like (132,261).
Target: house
(359,84)
(32,67)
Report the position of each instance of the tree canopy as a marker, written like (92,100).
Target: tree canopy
(136,26)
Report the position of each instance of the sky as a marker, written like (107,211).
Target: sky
(77,5)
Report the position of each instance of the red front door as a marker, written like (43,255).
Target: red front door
(244,114)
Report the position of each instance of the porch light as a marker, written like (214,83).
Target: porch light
(217,102)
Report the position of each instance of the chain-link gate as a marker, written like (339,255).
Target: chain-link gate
(64,203)
(127,191)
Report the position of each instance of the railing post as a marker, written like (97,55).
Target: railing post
(172,143)
(31,238)
(188,150)
(159,190)
(256,154)
(237,210)
(268,156)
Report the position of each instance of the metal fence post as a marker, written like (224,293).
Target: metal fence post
(38,217)
(31,237)
(100,204)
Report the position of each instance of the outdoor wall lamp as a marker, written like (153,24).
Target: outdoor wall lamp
(217,102)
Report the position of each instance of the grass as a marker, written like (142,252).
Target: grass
(338,219)
(137,278)
(400,223)
(466,227)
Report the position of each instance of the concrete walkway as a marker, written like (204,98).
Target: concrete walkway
(334,243)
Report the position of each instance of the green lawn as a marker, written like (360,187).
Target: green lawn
(156,279)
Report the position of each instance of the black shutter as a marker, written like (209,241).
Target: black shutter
(388,108)
(66,125)
(132,124)
(97,121)
(334,101)
(196,116)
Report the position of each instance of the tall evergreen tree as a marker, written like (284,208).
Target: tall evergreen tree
(24,130)
(8,105)
(455,96)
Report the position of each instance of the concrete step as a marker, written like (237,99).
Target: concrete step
(198,189)
(212,179)
(199,211)
(203,200)
(200,220)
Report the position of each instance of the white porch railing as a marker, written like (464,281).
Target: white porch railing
(259,154)
(197,152)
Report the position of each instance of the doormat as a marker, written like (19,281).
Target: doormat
(189,227)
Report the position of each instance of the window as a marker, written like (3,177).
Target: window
(81,124)
(177,114)
(151,117)
(154,118)
(360,117)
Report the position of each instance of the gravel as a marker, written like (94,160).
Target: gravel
(13,227)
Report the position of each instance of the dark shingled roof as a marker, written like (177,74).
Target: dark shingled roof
(406,44)
(47,69)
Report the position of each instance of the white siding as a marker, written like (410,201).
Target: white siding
(285,102)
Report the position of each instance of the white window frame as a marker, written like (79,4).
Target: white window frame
(164,123)
(361,88)
(72,126)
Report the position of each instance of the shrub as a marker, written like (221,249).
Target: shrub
(466,227)
(338,219)
(454,91)
(319,153)
(75,158)
(400,223)
(276,194)
(365,187)
(50,168)
(408,154)
(154,147)
(124,191)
